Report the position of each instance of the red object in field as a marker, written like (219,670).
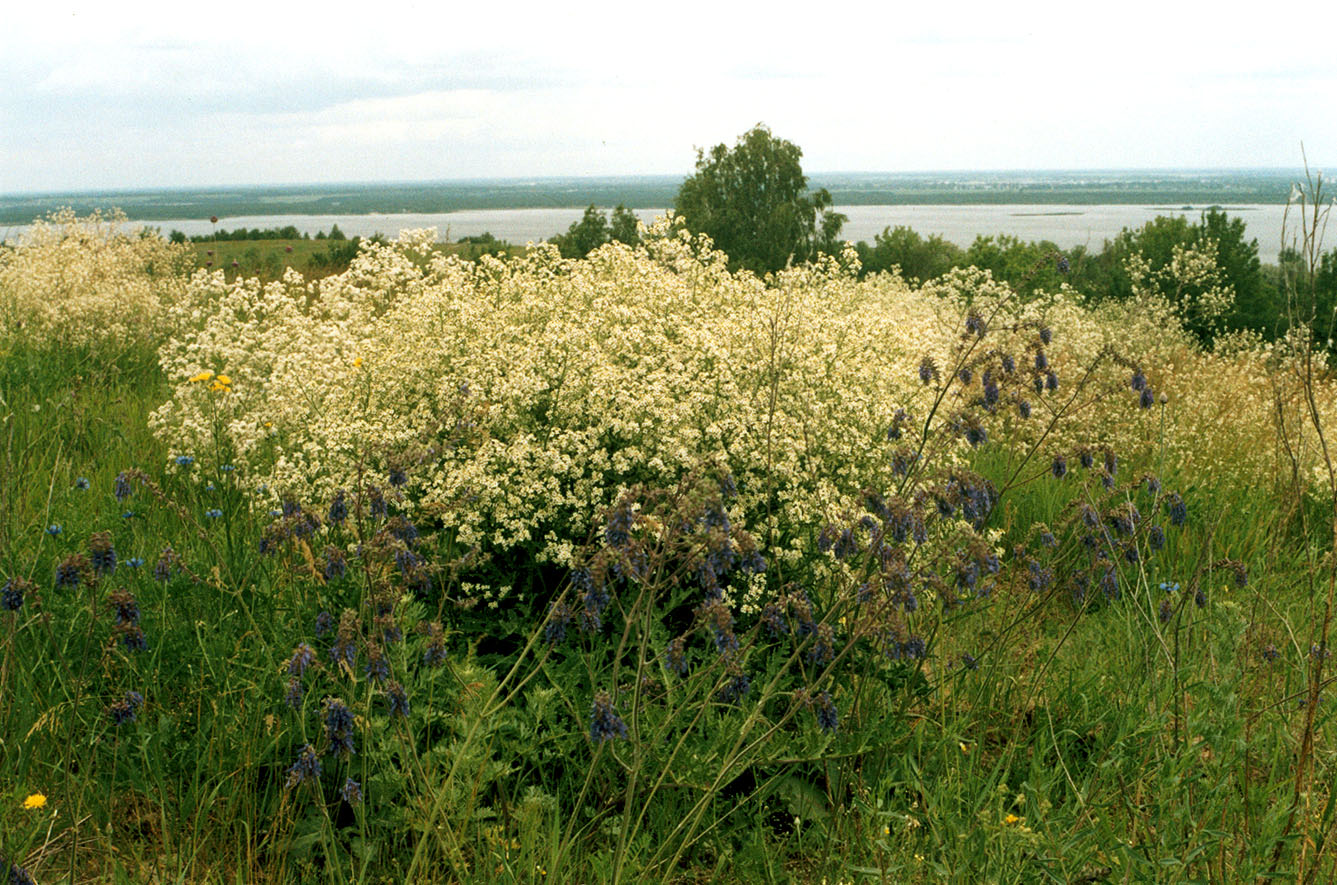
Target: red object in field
(288,248)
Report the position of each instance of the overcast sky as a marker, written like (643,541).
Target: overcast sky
(106,95)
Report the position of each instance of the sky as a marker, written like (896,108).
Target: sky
(150,95)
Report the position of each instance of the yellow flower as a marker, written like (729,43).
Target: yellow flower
(202,376)
(224,380)
(357,362)
(36,800)
(1010,820)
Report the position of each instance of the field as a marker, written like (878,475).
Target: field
(629,568)
(267,260)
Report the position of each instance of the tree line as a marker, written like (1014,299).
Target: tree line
(754,203)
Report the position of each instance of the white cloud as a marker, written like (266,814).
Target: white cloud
(261,92)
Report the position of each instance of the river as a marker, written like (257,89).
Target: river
(1064,225)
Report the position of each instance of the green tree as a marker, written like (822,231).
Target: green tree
(623,226)
(584,236)
(1027,267)
(919,258)
(753,202)
(1257,306)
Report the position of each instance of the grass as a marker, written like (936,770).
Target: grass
(269,259)
(1152,738)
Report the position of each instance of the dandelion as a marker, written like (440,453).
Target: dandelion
(605,723)
(306,769)
(35,800)
(201,377)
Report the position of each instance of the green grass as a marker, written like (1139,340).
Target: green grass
(269,259)
(1105,744)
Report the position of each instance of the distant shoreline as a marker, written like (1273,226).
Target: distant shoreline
(1169,188)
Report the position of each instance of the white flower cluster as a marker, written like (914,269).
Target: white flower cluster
(524,395)
(82,281)
(521,397)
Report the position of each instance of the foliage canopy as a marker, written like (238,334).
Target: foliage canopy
(753,202)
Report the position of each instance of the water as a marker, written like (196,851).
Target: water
(1064,225)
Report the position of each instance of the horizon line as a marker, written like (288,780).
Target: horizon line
(524,179)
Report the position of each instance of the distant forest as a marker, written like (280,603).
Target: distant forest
(1154,187)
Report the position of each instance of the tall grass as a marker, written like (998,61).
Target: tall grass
(982,669)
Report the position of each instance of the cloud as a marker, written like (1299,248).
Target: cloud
(252,92)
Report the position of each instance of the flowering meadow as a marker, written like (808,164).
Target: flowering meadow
(631,568)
